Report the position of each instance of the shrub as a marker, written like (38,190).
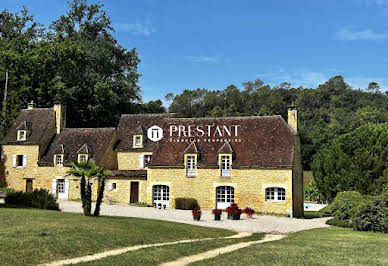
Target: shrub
(345,203)
(233,209)
(248,211)
(142,204)
(186,203)
(40,199)
(340,223)
(372,215)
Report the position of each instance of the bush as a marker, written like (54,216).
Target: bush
(345,203)
(186,203)
(340,223)
(312,193)
(40,199)
(372,215)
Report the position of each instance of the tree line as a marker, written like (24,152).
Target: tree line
(332,109)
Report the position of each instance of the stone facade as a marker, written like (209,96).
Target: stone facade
(251,171)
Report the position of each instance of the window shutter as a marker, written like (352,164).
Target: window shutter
(14,161)
(24,160)
(54,187)
(109,186)
(141,161)
(67,183)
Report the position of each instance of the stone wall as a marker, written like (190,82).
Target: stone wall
(249,186)
(130,160)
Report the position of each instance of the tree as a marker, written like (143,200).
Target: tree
(355,161)
(89,172)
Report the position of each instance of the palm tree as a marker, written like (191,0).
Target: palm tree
(88,173)
(101,176)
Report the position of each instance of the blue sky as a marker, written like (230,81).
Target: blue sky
(212,44)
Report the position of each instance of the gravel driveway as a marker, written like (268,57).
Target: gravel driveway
(259,223)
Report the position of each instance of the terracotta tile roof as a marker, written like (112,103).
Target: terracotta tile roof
(130,173)
(134,124)
(262,142)
(94,141)
(37,120)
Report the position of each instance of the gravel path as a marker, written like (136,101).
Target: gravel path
(259,223)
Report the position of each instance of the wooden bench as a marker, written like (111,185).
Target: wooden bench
(2,197)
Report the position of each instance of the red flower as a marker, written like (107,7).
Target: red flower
(216,211)
(233,209)
(197,212)
(249,211)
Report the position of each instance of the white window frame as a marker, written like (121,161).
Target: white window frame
(190,165)
(61,185)
(275,194)
(80,156)
(59,159)
(22,137)
(225,165)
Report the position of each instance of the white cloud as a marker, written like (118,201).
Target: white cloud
(203,59)
(351,34)
(135,28)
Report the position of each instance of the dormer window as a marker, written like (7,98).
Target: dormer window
(82,158)
(58,158)
(138,141)
(22,135)
(191,163)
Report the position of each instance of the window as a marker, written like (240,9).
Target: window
(59,159)
(82,158)
(147,159)
(112,186)
(21,135)
(225,165)
(224,196)
(138,141)
(190,165)
(61,185)
(275,194)
(19,160)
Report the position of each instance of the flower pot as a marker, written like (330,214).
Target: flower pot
(236,217)
(217,217)
(197,218)
(230,217)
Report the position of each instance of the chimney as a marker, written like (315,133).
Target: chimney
(31,105)
(293,117)
(60,116)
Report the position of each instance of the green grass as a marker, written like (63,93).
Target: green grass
(158,255)
(307,177)
(31,236)
(328,246)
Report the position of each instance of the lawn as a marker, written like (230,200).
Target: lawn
(328,246)
(31,236)
(158,255)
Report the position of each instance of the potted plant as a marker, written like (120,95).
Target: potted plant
(233,212)
(217,214)
(197,213)
(249,212)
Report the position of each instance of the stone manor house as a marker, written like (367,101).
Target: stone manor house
(156,158)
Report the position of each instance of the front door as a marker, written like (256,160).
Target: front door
(134,192)
(29,185)
(224,197)
(63,189)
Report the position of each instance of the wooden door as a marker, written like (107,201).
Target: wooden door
(134,192)
(29,185)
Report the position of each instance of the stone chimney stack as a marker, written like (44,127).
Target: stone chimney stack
(60,116)
(31,105)
(293,117)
